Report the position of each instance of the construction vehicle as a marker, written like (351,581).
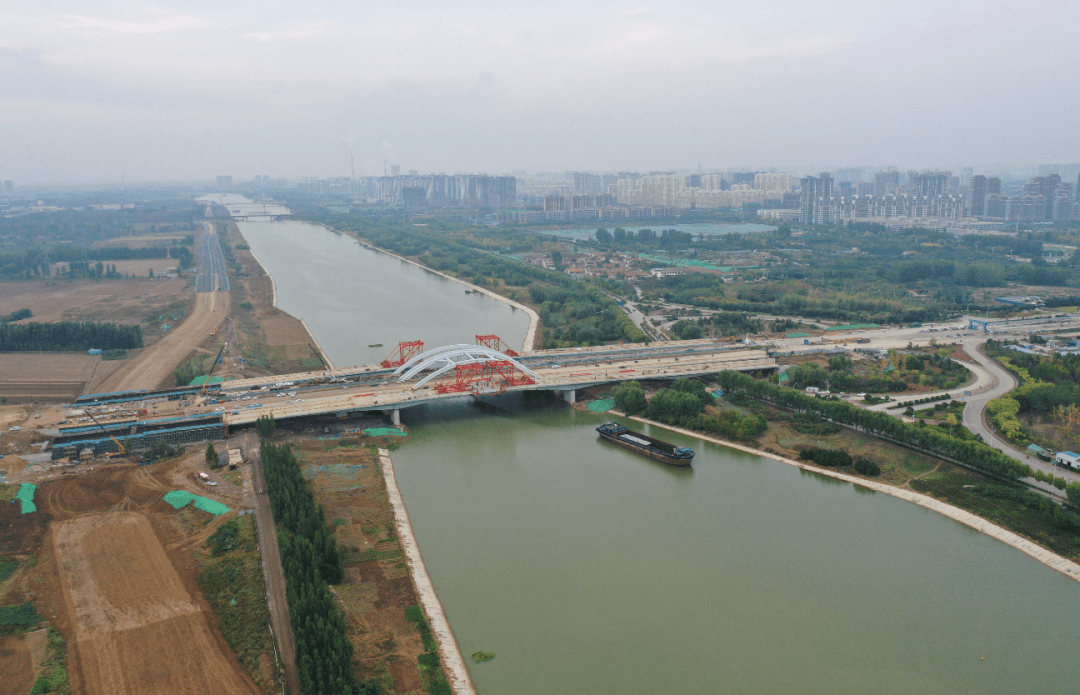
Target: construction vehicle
(111,454)
(212,368)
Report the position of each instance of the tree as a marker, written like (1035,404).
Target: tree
(211,456)
(556,258)
(951,419)
(265,426)
(630,397)
(1073,491)
(603,236)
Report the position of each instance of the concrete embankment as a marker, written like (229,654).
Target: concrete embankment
(449,653)
(1066,567)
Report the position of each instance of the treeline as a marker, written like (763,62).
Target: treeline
(311,561)
(83,261)
(644,240)
(707,291)
(684,405)
(581,315)
(574,313)
(974,454)
(67,336)
(726,323)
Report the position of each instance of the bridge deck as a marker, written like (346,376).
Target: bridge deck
(387,394)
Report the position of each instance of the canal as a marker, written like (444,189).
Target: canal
(587,569)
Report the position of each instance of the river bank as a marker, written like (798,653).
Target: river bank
(534,318)
(449,653)
(273,304)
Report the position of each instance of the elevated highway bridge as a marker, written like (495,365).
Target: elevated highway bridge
(432,376)
(412,384)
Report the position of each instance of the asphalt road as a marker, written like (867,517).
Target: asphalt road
(974,420)
(275,577)
(213,273)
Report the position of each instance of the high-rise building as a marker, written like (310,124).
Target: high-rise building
(981,187)
(853,175)
(814,200)
(886,182)
(774,184)
(929,183)
(587,184)
(9,187)
(1047,187)
(224,182)
(395,170)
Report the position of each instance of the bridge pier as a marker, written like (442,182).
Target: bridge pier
(570,396)
(395,416)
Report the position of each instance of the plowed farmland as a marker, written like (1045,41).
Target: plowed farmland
(116,575)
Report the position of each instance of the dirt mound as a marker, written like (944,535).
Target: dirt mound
(137,629)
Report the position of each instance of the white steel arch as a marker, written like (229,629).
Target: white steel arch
(443,359)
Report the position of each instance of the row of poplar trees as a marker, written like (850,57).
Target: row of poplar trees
(311,560)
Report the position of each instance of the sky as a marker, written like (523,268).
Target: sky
(159,91)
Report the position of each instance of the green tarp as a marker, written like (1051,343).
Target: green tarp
(384,431)
(181,498)
(853,327)
(26,496)
(601,405)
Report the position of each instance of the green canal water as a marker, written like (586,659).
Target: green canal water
(588,569)
(351,297)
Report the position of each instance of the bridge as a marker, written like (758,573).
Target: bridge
(456,370)
(420,377)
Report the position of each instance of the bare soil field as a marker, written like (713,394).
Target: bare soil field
(115,301)
(147,240)
(153,366)
(142,268)
(50,376)
(136,627)
(116,575)
(20,657)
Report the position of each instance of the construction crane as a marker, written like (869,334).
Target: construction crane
(123,449)
(212,368)
(319,355)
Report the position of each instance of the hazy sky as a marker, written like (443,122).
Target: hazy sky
(171,90)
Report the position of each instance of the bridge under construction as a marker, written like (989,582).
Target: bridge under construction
(414,376)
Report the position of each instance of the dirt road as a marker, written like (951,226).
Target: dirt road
(154,364)
(272,572)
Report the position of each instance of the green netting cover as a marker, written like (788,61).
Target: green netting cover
(853,327)
(200,380)
(181,498)
(384,431)
(601,405)
(26,496)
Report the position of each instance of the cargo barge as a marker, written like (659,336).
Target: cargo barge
(644,444)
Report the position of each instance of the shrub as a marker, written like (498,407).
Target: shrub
(865,466)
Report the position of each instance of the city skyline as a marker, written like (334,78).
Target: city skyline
(176,92)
